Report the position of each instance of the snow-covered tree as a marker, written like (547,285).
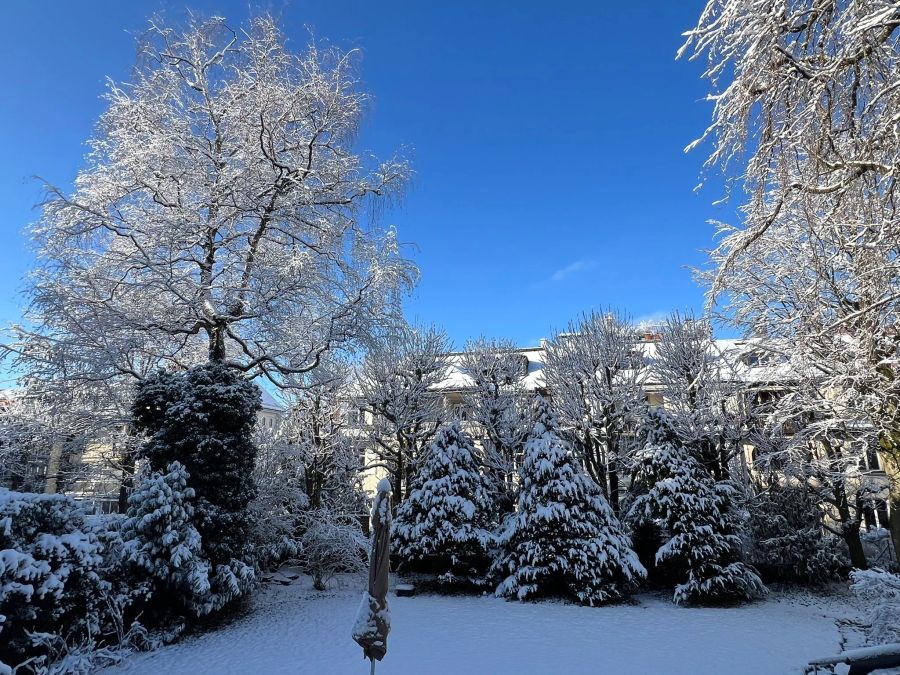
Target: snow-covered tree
(698,514)
(204,419)
(500,407)
(564,538)
(705,405)
(161,542)
(445,524)
(594,371)
(397,388)
(824,454)
(222,214)
(805,120)
(787,539)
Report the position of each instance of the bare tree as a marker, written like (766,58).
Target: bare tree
(806,96)
(593,372)
(221,215)
(707,405)
(500,406)
(398,387)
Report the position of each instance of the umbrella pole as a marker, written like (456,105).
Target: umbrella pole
(372,670)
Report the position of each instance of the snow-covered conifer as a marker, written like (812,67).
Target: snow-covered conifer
(49,574)
(788,540)
(697,512)
(204,419)
(161,541)
(564,538)
(444,526)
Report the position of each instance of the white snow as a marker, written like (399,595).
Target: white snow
(293,629)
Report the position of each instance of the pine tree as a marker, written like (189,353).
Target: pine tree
(204,419)
(698,514)
(444,526)
(163,544)
(564,538)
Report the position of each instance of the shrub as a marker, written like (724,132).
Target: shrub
(332,544)
(787,540)
(49,573)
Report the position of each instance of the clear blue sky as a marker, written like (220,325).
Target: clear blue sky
(547,141)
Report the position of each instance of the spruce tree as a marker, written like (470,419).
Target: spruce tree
(564,539)
(444,526)
(161,542)
(698,514)
(204,419)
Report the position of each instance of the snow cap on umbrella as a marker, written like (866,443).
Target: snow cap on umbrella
(373,620)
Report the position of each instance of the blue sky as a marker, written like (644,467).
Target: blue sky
(547,140)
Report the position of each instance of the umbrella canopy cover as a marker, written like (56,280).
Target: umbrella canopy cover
(373,621)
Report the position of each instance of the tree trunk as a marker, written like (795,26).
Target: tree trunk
(217,343)
(614,487)
(891,463)
(850,529)
(53,467)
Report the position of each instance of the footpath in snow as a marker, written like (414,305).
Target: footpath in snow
(293,629)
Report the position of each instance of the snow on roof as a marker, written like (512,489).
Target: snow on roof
(741,361)
(269,402)
(458,379)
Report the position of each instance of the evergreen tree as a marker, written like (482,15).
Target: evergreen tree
(444,526)
(788,541)
(698,514)
(564,538)
(163,544)
(204,419)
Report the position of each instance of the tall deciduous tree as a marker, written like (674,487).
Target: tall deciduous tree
(806,96)
(707,408)
(398,388)
(500,406)
(594,373)
(222,214)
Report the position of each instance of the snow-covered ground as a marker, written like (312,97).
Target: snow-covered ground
(293,629)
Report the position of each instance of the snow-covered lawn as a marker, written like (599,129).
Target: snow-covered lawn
(293,629)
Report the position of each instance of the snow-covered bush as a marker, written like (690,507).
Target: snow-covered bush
(332,544)
(444,526)
(49,581)
(204,419)
(787,541)
(882,591)
(161,542)
(564,538)
(698,514)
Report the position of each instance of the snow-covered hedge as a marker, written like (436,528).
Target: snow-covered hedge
(49,574)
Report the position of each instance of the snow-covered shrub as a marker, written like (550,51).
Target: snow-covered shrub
(278,509)
(698,514)
(444,526)
(787,541)
(332,544)
(204,419)
(162,544)
(882,591)
(49,581)
(564,538)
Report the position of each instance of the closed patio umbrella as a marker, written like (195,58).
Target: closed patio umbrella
(373,621)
